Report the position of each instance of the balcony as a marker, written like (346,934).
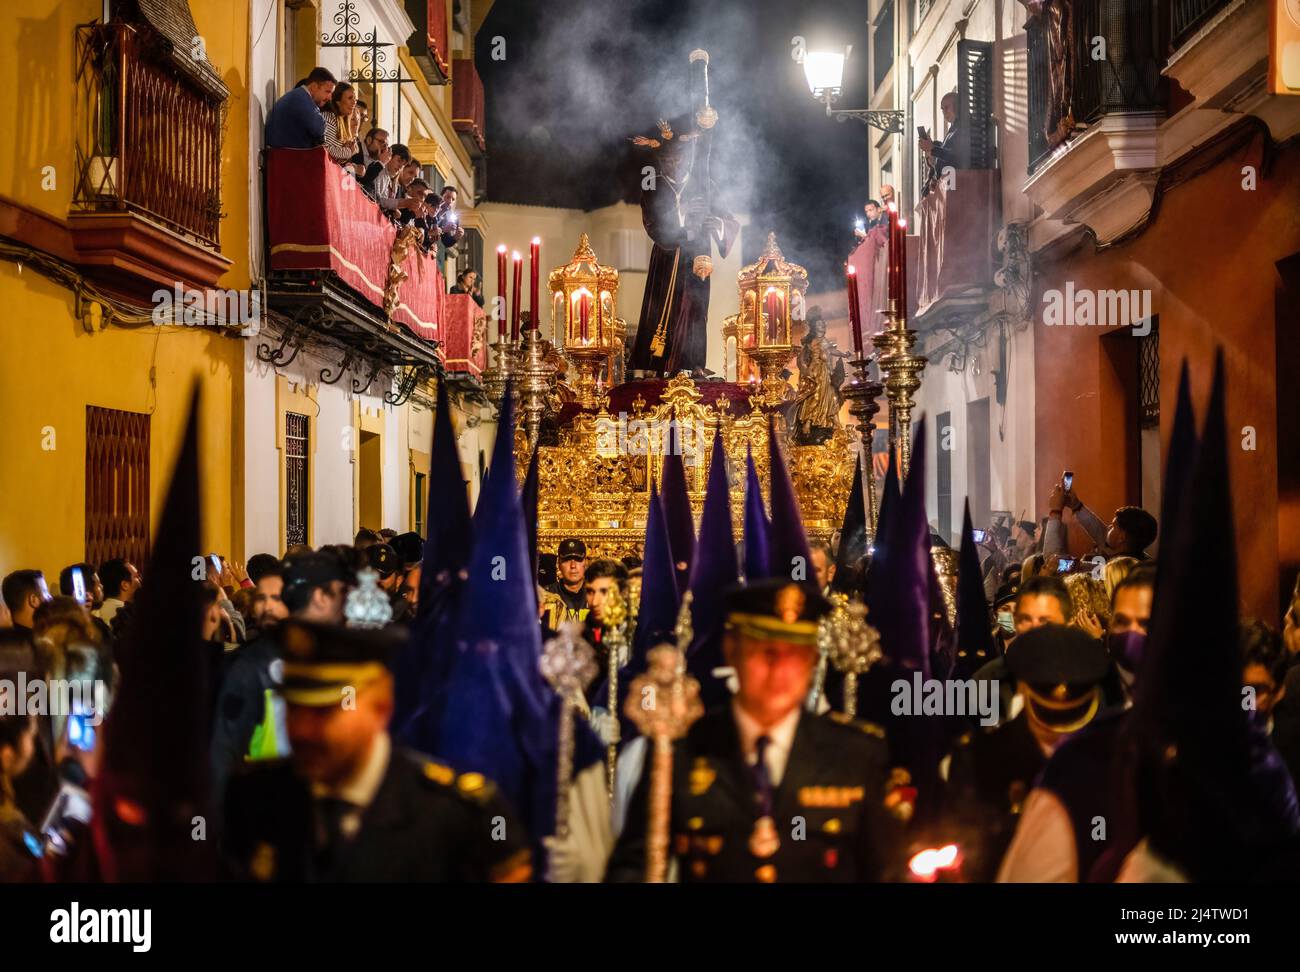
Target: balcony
(954,262)
(1221,59)
(870,260)
(1093,120)
(146,206)
(1189,16)
(429,45)
(467,106)
(1069,89)
(336,274)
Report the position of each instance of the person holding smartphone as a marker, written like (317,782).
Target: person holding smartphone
(945,154)
(1130,531)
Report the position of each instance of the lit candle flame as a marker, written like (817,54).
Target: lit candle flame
(932,860)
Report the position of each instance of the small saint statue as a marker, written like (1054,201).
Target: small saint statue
(817,401)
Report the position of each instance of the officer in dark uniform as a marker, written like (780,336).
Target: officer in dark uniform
(570,570)
(349,806)
(1060,672)
(763,790)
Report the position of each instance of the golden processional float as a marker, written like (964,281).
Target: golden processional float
(601,440)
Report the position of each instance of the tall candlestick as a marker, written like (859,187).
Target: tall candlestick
(534,259)
(501,291)
(518,265)
(855,318)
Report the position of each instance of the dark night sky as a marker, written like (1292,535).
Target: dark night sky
(580,76)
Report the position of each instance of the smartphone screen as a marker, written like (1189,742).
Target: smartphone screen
(78,585)
(1067,480)
(81,733)
(979,535)
(216,562)
(1065,566)
(43,588)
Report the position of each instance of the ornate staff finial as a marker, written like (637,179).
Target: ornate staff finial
(615,618)
(367,606)
(569,664)
(850,644)
(663,703)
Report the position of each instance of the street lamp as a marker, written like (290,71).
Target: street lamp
(824,71)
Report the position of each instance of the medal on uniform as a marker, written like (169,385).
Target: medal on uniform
(763,842)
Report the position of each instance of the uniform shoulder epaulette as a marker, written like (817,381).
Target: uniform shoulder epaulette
(870,728)
(469,786)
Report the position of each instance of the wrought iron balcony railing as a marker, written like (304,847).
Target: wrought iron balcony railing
(1088,59)
(149,140)
(1189,16)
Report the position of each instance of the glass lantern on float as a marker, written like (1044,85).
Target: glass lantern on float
(584,300)
(771,298)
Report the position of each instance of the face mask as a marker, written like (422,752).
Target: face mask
(1126,649)
(1007,623)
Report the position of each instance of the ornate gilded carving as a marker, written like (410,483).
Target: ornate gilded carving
(595,484)
(407,238)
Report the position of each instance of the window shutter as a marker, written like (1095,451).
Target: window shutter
(975,104)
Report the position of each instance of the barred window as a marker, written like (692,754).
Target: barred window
(295,478)
(117,485)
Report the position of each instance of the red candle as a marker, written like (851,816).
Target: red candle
(518,264)
(902,266)
(501,291)
(584,309)
(855,317)
(893,253)
(773,311)
(534,259)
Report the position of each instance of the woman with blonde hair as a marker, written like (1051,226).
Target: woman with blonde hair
(1117,568)
(1091,605)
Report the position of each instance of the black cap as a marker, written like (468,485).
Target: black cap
(384,559)
(775,609)
(571,549)
(313,570)
(1062,669)
(321,661)
(1006,592)
(409,547)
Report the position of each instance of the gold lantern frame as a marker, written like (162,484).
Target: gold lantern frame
(770,273)
(597,356)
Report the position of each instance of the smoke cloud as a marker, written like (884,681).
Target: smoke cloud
(579,77)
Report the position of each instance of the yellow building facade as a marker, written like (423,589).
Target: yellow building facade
(99,213)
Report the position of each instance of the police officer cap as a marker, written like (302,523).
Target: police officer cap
(1062,669)
(572,549)
(775,609)
(323,661)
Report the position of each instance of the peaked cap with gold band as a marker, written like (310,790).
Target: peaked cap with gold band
(322,661)
(1062,669)
(775,609)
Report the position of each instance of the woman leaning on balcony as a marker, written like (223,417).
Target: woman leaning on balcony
(342,120)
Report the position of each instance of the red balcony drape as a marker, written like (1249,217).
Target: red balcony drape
(467,99)
(320,219)
(438,35)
